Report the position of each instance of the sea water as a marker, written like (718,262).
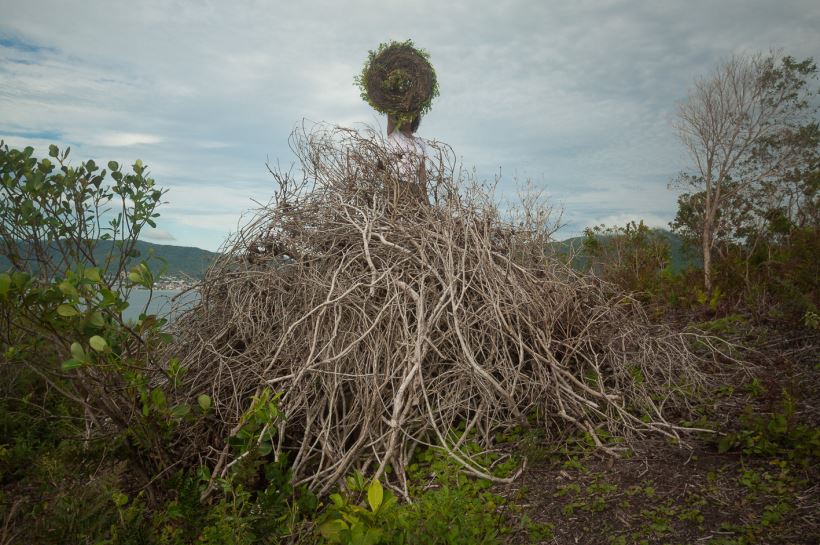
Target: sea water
(164,303)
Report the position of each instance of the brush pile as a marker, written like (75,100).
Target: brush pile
(387,324)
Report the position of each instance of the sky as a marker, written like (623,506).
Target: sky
(577,97)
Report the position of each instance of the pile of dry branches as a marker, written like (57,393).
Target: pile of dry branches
(388,324)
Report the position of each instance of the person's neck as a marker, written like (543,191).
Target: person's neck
(405,128)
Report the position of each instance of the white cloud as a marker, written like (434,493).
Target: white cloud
(576,95)
(125,139)
(158,234)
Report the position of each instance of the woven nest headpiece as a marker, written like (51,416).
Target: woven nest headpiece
(398,80)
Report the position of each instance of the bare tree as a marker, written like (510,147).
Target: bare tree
(738,125)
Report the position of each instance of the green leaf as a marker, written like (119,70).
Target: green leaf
(53,151)
(67,288)
(357,533)
(375,495)
(337,500)
(5,284)
(77,351)
(389,501)
(68,365)
(204,473)
(135,277)
(332,530)
(20,279)
(158,399)
(204,402)
(119,499)
(96,319)
(180,411)
(66,311)
(93,275)
(98,343)
(112,165)
(778,424)
(148,322)
(372,537)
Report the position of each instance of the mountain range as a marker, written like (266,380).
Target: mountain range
(187,261)
(178,261)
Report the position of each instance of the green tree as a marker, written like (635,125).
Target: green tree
(765,242)
(52,213)
(747,125)
(631,256)
(61,307)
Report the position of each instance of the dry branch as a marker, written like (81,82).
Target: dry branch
(386,323)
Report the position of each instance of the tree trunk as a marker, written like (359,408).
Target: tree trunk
(707,257)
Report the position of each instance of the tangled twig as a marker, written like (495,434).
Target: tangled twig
(386,323)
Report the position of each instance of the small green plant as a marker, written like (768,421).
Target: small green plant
(61,300)
(448,508)
(350,523)
(709,299)
(811,320)
(774,434)
(726,325)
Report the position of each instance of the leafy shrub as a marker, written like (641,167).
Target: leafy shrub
(774,435)
(632,256)
(61,303)
(448,508)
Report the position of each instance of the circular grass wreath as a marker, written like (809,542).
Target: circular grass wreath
(398,80)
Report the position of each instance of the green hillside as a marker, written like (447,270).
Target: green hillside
(680,258)
(192,262)
(170,260)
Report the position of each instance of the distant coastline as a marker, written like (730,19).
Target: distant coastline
(174,283)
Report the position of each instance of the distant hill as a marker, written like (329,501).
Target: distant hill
(170,260)
(187,261)
(180,260)
(680,259)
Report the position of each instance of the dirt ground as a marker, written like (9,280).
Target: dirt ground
(763,489)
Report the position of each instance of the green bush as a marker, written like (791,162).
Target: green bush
(633,256)
(448,508)
(776,434)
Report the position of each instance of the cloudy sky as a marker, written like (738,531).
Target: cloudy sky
(577,96)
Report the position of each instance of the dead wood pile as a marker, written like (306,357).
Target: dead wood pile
(386,324)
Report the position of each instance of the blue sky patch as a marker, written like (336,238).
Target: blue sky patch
(51,136)
(24,46)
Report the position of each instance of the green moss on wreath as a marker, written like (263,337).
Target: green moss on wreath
(398,80)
